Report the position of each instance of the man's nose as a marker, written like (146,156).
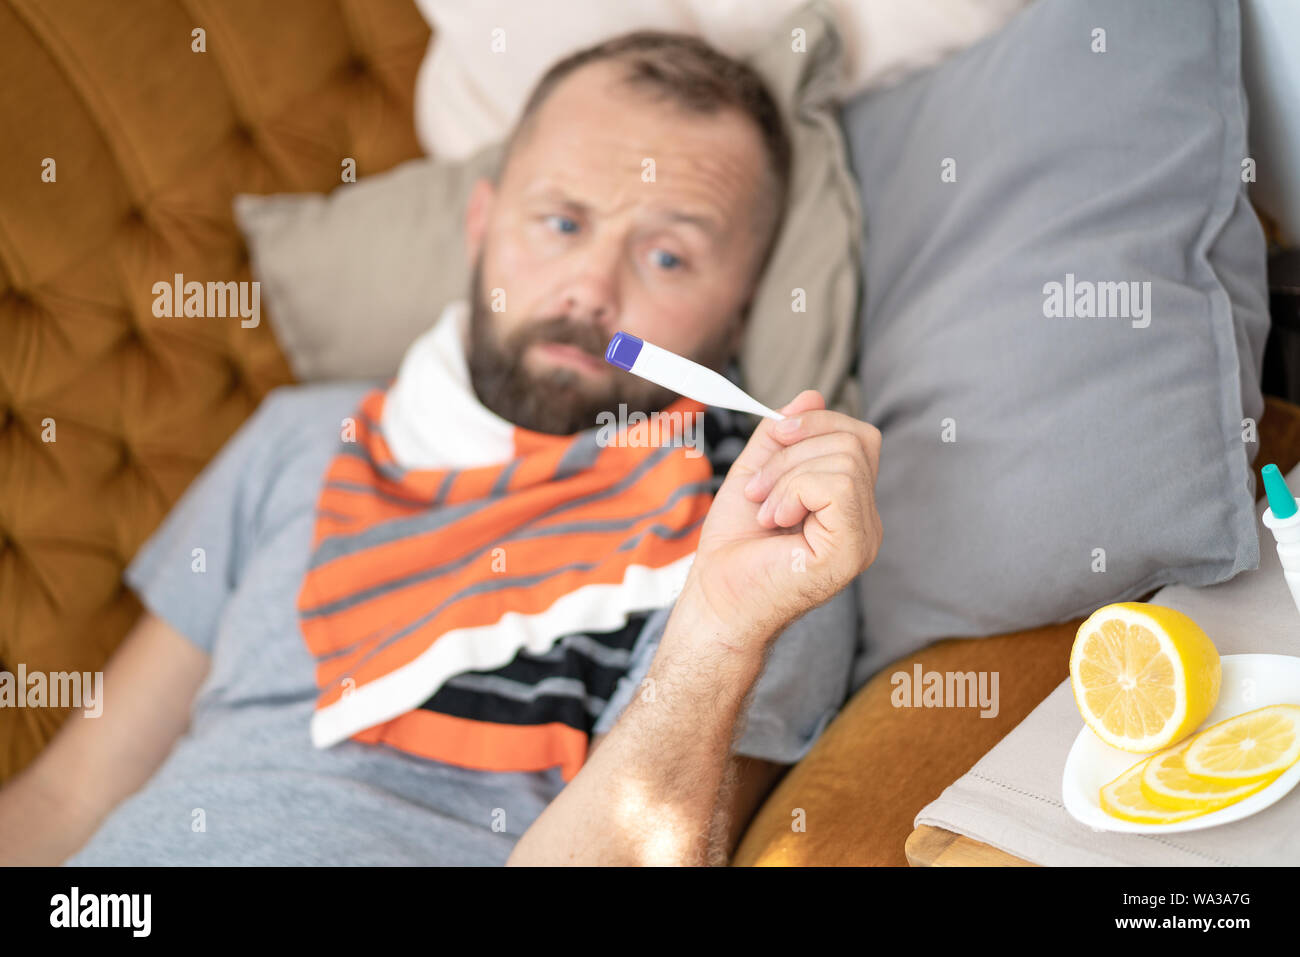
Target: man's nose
(590,291)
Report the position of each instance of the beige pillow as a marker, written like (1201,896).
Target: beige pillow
(350,279)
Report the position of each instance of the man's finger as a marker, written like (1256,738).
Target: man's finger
(830,443)
(823,421)
(784,506)
(831,502)
(763,443)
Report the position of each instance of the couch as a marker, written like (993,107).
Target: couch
(151,138)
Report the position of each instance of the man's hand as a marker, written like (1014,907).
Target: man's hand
(794,522)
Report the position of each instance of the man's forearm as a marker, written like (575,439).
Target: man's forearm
(39,825)
(55,805)
(650,793)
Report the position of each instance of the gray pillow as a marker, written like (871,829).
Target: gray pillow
(1036,465)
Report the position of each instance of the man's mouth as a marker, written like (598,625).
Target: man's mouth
(571,356)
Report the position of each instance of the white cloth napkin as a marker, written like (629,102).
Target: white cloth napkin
(1011,799)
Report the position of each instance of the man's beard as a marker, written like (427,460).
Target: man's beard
(558,401)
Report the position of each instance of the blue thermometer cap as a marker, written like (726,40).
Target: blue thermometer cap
(1280,499)
(623,350)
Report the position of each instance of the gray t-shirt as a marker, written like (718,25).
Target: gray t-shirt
(245,785)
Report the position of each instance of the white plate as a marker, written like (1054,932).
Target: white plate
(1249,682)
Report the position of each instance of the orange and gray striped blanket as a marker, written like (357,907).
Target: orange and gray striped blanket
(481,613)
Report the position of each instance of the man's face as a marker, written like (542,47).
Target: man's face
(615,211)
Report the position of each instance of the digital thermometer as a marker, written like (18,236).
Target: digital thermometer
(681,375)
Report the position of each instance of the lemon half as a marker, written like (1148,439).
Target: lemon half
(1144,676)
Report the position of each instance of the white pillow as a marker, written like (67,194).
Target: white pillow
(485,56)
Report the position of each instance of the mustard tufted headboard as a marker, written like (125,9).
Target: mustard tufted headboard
(149,141)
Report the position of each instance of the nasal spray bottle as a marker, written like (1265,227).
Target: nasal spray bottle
(1283,519)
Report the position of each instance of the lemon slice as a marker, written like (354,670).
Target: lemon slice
(1144,676)
(1258,744)
(1123,798)
(1166,783)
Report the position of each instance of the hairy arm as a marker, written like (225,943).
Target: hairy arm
(747,782)
(50,809)
(663,786)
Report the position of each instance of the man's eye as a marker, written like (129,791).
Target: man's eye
(664,259)
(562,224)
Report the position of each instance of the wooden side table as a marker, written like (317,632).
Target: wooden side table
(934,847)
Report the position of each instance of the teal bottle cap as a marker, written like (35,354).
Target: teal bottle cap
(1280,499)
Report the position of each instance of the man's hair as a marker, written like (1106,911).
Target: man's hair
(688,72)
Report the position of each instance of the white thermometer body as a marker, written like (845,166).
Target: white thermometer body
(681,375)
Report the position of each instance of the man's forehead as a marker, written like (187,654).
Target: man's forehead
(594,131)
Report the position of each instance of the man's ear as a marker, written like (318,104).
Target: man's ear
(477,213)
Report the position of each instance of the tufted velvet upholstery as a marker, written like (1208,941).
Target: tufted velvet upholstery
(150,140)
